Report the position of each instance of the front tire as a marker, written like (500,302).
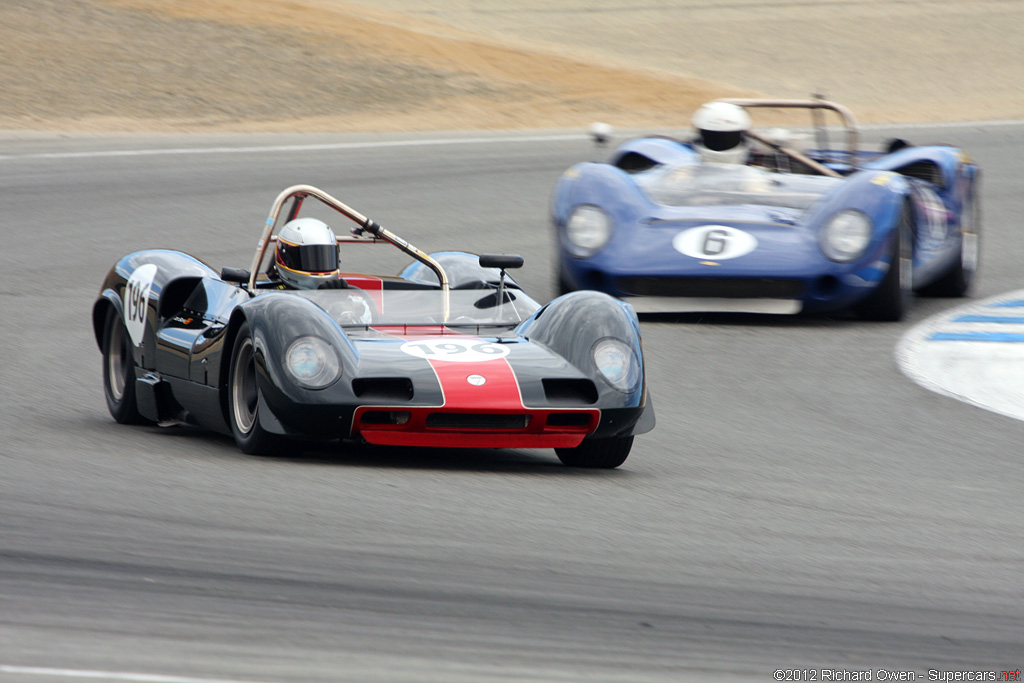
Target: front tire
(243,399)
(599,453)
(892,298)
(119,371)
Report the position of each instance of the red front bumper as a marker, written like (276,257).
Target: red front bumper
(437,427)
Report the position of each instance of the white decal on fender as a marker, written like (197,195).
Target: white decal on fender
(715,242)
(136,301)
(455,350)
(934,211)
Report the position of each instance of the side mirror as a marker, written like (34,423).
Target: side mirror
(502,261)
(234,274)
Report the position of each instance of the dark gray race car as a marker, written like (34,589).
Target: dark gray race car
(449,353)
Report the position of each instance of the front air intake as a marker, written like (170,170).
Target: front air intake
(569,419)
(383,389)
(476,421)
(569,392)
(713,287)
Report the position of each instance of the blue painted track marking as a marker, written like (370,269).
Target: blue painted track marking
(977,337)
(970,328)
(1007,320)
(973,353)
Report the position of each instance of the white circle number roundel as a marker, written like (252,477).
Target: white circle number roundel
(714,242)
(136,301)
(455,350)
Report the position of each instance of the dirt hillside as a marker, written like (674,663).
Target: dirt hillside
(390,65)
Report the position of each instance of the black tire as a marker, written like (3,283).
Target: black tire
(119,371)
(603,453)
(892,298)
(243,399)
(957,281)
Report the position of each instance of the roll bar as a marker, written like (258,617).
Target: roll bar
(365,225)
(814,106)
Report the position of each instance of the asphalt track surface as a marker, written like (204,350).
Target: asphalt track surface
(801,504)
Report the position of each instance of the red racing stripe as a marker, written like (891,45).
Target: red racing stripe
(478,386)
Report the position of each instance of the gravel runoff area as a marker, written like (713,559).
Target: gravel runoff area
(415,65)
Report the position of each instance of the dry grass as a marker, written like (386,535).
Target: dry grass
(267,65)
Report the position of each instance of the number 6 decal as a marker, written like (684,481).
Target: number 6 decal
(718,242)
(715,242)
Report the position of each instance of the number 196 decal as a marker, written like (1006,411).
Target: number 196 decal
(456,350)
(136,301)
(716,242)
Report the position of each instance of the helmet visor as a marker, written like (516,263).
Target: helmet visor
(721,140)
(308,258)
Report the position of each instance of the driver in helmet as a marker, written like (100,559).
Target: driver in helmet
(721,129)
(307,255)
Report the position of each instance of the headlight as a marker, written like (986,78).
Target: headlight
(588,230)
(617,363)
(845,236)
(312,362)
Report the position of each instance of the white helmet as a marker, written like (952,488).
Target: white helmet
(307,253)
(721,126)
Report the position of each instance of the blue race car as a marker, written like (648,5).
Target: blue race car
(801,226)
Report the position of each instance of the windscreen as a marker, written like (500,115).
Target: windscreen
(734,184)
(388,307)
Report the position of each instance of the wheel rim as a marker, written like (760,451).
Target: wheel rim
(244,395)
(117,360)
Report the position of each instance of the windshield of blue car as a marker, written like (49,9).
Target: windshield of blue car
(400,307)
(733,184)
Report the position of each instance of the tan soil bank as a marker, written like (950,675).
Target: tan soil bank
(391,65)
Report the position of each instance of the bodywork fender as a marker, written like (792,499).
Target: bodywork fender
(133,287)
(572,324)
(658,150)
(276,319)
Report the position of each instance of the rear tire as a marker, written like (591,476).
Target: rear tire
(119,371)
(601,453)
(892,298)
(243,399)
(957,282)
